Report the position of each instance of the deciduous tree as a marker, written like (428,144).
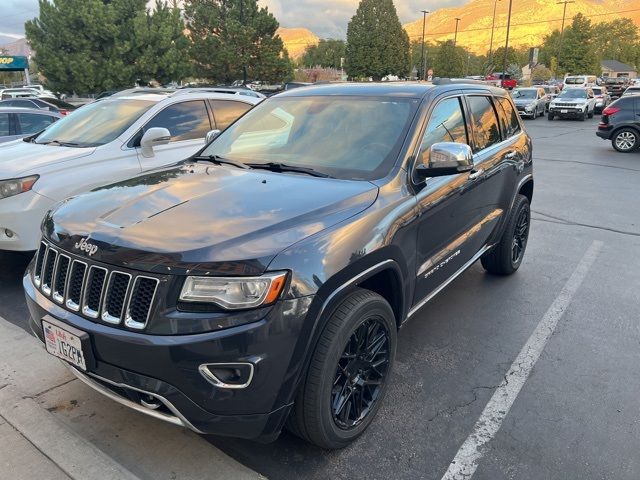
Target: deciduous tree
(326,54)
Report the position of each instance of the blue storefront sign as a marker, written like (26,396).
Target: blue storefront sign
(13,64)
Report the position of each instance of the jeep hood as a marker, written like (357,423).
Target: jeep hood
(19,158)
(204,219)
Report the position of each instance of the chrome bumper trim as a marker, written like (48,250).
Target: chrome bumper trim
(176,419)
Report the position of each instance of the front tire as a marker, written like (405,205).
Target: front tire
(592,113)
(626,140)
(348,374)
(506,257)
(550,116)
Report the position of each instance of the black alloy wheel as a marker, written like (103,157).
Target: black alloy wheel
(346,380)
(506,256)
(360,374)
(520,237)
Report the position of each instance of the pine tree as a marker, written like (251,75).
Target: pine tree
(231,39)
(377,45)
(161,45)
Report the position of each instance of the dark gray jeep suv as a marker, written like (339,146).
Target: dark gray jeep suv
(261,283)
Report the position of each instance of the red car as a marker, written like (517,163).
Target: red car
(502,80)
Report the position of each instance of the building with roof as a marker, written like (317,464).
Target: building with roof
(614,68)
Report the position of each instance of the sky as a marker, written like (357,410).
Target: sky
(326,18)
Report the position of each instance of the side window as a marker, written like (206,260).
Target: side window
(446,124)
(32,122)
(4,124)
(226,112)
(485,122)
(508,117)
(185,121)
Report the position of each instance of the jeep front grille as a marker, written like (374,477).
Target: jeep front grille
(95,291)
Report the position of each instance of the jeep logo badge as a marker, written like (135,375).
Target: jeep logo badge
(85,246)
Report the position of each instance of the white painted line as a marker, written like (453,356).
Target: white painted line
(466,460)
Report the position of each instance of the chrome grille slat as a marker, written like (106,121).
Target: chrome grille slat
(93,291)
(115,298)
(48,269)
(143,294)
(37,268)
(97,292)
(75,286)
(60,275)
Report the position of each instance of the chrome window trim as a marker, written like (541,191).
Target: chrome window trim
(56,295)
(211,378)
(106,316)
(71,305)
(46,289)
(85,308)
(128,321)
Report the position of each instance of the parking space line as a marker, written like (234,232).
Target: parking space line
(466,460)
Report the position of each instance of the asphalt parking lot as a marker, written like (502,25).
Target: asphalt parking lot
(577,415)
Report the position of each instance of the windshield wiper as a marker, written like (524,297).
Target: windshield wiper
(62,144)
(222,161)
(283,167)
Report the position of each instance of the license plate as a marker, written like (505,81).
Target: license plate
(564,111)
(63,344)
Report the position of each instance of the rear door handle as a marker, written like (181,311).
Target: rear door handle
(475,174)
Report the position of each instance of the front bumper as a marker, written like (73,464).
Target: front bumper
(567,112)
(135,368)
(22,214)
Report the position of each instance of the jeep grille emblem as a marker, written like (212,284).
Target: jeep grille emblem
(85,246)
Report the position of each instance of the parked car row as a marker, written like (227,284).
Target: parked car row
(260,282)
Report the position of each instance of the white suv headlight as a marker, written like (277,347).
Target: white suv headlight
(9,188)
(234,293)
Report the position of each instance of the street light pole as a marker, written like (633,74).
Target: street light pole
(493,26)
(422,65)
(455,38)
(564,14)
(244,65)
(506,46)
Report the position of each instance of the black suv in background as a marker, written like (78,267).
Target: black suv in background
(620,123)
(262,282)
(616,86)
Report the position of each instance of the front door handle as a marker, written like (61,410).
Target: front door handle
(475,174)
(511,155)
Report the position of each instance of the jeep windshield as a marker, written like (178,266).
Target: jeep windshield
(346,137)
(574,80)
(573,93)
(95,124)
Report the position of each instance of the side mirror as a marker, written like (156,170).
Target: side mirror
(152,138)
(446,158)
(211,135)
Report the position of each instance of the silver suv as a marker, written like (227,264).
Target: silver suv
(577,103)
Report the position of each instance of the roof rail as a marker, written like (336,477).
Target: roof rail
(224,90)
(450,81)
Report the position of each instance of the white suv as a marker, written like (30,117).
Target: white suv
(104,142)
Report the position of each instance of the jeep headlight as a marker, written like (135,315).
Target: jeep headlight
(9,188)
(530,107)
(234,293)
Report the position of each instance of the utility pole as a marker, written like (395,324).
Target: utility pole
(244,65)
(506,46)
(422,65)
(455,38)
(493,26)
(564,14)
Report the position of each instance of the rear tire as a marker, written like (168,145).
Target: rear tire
(626,140)
(346,380)
(506,257)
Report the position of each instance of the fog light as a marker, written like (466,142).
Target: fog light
(228,375)
(8,233)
